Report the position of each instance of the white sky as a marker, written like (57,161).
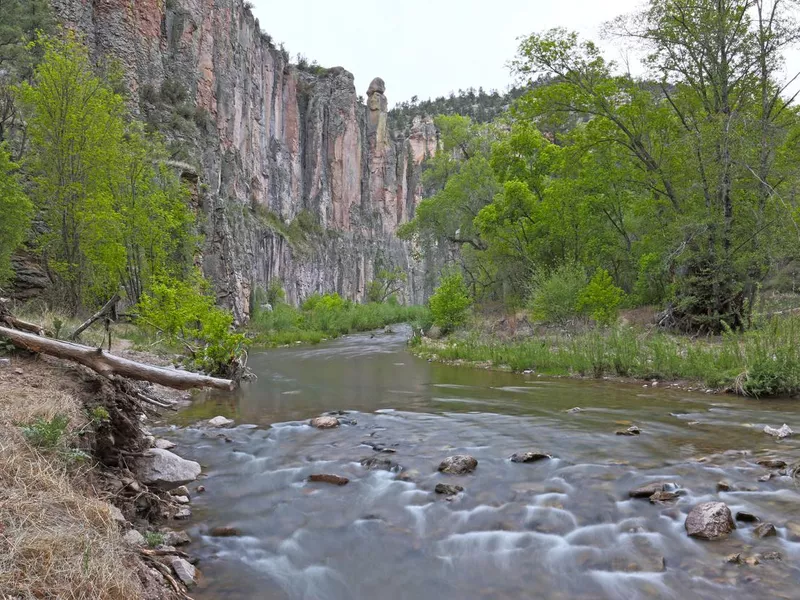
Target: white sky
(426,48)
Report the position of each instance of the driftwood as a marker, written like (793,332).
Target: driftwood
(109,309)
(110,366)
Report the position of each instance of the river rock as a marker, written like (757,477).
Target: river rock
(780,433)
(527,457)
(378,463)
(746,517)
(325,478)
(632,430)
(772,556)
(181,490)
(164,444)
(772,463)
(447,489)
(5,362)
(709,521)
(724,486)
(181,499)
(459,464)
(765,530)
(324,422)
(575,410)
(224,532)
(183,513)
(220,421)
(165,470)
(176,538)
(649,489)
(184,570)
(134,538)
(664,497)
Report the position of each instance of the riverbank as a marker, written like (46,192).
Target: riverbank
(764,361)
(77,519)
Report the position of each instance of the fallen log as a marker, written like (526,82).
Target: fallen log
(109,308)
(12,321)
(109,365)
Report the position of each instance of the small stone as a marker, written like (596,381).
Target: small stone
(772,463)
(709,520)
(176,538)
(5,362)
(181,490)
(332,479)
(735,559)
(746,517)
(765,530)
(527,457)
(134,538)
(766,477)
(183,513)
(575,410)
(772,556)
(780,433)
(325,422)
(752,561)
(378,463)
(724,486)
(220,421)
(200,489)
(184,570)
(447,489)
(459,464)
(19,371)
(224,532)
(664,497)
(165,444)
(181,499)
(632,430)
(649,489)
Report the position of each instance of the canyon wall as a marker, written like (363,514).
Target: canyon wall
(293,175)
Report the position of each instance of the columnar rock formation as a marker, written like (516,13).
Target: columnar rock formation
(294,176)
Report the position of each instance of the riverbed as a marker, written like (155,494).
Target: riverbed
(558,528)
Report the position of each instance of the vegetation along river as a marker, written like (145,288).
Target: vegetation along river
(558,528)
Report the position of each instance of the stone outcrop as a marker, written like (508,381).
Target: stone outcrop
(292,175)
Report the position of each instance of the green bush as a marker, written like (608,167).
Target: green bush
(554,297)
(46,434)
(601,298)
(275,292)
(450,302)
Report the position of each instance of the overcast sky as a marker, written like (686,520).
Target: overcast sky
(426,48)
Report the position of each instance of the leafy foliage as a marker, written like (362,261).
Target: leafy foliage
(15,208)
(555,297)
(601,298)
(387,283)
(46,433)
(450,302)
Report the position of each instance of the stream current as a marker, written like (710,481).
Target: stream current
(560,528)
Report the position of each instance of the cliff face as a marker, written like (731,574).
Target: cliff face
(295,178)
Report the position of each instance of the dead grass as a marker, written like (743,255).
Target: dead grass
(57,540)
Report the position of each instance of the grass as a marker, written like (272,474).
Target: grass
(57,539)
(764,361)
(316,322)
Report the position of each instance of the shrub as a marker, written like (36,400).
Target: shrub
(154,538)
(450,302)
(275,292)
(554,297)
(601,298)
(46,434)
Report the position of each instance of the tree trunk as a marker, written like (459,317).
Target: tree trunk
(110,366)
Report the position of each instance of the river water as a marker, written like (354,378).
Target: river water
(560,528)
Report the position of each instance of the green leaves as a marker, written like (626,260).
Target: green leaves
(450,303)
(16,210)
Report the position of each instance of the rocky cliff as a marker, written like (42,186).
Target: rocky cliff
(294,176)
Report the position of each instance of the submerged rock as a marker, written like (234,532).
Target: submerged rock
(165,470)
(780,433)
(447,489)
(649,489)
(575,410)
(459,464)
(526,457)
(772,556)
(184,570)
(324,422)
(378,463)
(709,521)
(224,532)
(665,497)
(765,530)
(724,486)
(325,478)
(632,430)
(746,517)
(772,463)
(220,421)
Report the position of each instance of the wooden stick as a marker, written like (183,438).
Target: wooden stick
(108,308)
(110,366)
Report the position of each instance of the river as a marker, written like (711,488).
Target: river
(559,528)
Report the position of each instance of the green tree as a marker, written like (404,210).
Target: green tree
(15,208)
(601,298)
(450,302)
(387,283)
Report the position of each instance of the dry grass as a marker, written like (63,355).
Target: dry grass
(57,540)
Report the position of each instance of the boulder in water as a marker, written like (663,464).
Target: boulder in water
(709,521)
(459,464)
(746,517)
(632,430)
(326,478)
(527,457)
(780,433)
(225,531)
(649,489)
(765,530)
(772,463)
(325,422)
(220,421)
(165,470)
(447,489)
(665,497)
(378,463)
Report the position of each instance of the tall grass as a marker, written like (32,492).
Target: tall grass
(286,324)
(760,362)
